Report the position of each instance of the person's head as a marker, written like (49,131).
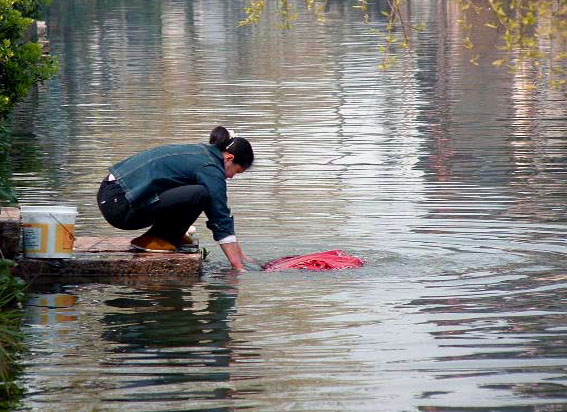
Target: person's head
(237,151)
(219,133)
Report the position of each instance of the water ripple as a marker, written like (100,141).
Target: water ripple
(446,178)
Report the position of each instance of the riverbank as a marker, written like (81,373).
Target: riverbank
(12,291)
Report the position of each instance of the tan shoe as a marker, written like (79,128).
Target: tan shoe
(149,243)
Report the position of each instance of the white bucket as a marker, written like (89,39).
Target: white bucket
(48,231)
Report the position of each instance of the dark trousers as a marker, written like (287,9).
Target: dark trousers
(169,217)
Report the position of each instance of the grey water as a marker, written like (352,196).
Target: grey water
(447,178)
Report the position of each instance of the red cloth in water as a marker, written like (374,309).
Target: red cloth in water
(329,260)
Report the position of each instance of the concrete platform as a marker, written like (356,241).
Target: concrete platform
(97,259)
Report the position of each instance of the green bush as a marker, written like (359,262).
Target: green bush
(7,195)
(32,8)
(12,288)
(12,291)
(22,64)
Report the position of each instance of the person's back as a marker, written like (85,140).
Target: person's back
(144,175)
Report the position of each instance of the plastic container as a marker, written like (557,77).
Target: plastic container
(48,231)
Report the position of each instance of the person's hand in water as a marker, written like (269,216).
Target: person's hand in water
(245,257)
(253,266)
(237,258)
(248,262)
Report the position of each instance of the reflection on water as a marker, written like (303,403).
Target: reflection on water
(158,345)
(307,342)
(447,178)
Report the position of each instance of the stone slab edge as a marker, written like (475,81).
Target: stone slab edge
(94,258)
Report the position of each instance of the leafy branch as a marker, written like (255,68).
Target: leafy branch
(286,10)
(529,31)
(532,32)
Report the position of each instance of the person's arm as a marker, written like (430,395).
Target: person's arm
(236,255)
(221,222)
(233,254)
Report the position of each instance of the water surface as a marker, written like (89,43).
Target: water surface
(447,178)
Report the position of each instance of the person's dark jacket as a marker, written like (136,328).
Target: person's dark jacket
(145,175)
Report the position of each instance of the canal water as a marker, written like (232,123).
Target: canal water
(447,178)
